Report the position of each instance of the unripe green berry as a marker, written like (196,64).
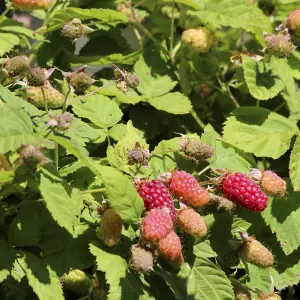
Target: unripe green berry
(73,29)
(199,39)
(278,44)
(16,66)
(80,81)
(37,77)
(77,282)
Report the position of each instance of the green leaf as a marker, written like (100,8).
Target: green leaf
(6,176)
(103,16)
(259,279)
(115,58)
(203,249)
(151,86)
(235,14)
(283,217)
(118,132)
(294,165)
(263,84)
(100,110)
(211,281)
(7,258)
(27,227)
(43,280)
(16,128)
(225,156)
(122,196)
(259,131)
(8,41)
(173,103)
(60,205)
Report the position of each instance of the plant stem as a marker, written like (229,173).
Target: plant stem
(94,191)
(204,170)
(173,53)
(101,87)
(45,102)
(8,8)
(139,38)
(196,118)
(66,100)
(279,107)
(56,156)
(172,28)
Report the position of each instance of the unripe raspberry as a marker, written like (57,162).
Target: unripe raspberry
(77,282)
(62,122)
(191,222)
(184,186)
(132,14)
(53,97)
(37,77)
(272,296)
(293,22)
(272,184)
(156,195)
(28,5)
(110,227)
(170,248)
(195,149)
(199,39)
(255,253)
(73,29)
(157,225)
(80,81)
(138,155)
(167,11)
(122,86)
(278,44)
(98,290)
(32,156)
(230,259)
(131,80)
(240,291)
(239,188)
(142,259)
(16,66)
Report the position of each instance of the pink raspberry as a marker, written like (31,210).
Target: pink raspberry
(272,184)
(155,194)
(170,248)
(157,225)
(184,186)
(239,188)
(293,22)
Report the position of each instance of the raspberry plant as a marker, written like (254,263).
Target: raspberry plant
(150,150)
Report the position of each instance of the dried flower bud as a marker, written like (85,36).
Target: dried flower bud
(131,13)
(62,122)
(32,156)
(138,155)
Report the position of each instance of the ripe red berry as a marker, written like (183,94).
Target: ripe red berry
(272,184)
(157,225)
(155,194)
(293,22)
(170,248)
(191,222)
(31,4)
(184,186)
(239,188)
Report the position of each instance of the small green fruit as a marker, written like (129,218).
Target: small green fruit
(16,66)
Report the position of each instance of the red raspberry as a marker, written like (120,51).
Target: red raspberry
(272,184)
(192,223)
(157,225)
(239,188)
(155,194)
(170,248)
(184,186)
(32,4)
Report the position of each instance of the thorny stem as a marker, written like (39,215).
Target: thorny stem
(66,100)
(45,102)
(94,191)
(196,118)
(172,29)
(101,87)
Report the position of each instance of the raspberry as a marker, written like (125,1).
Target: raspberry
(192,223)
(132,14)
(32,4)
(240,291)
(255,253)
(195,150)
(80,81)
(74,29)
(77,282)
(293,22)
(170,248)
(110,227)
(239,188)
(230,259)
(184,186)
(272,296)
(16,66)
(32,156)
(278,44)
(155,194)
(272,184)
(157,225)
(37,77)
(53,97)
(142,259)
(199,39)
(99,288)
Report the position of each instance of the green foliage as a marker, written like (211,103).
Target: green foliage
(150,96)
